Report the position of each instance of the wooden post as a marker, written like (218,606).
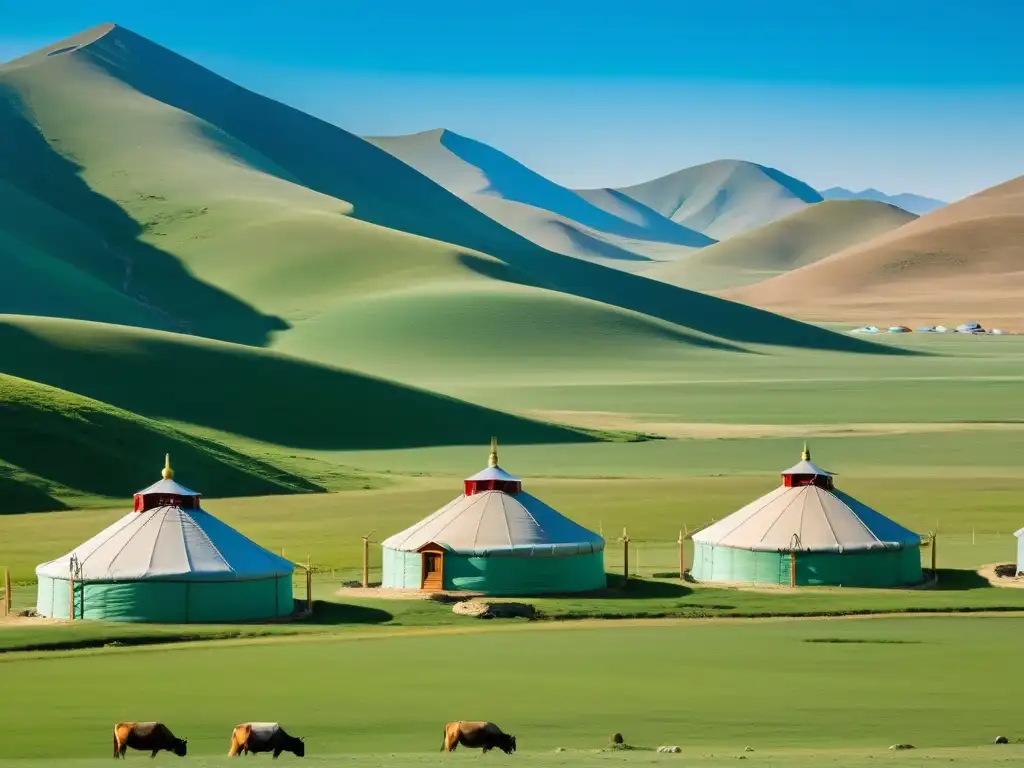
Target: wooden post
(7,591)
(682,559)
(71,594)
(366,562)
(309,586)
(625,558)
(934,574)
(792,568)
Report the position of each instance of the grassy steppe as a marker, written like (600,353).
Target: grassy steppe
(855,684)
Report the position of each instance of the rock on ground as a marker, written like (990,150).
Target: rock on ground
(484,610)
(673,750)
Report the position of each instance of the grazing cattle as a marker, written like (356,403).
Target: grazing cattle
(477,735)
(151,737)
(252,738)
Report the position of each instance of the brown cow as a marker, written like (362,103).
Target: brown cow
(253,738)
(147,736)
(477,735)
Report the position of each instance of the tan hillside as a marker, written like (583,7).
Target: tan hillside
(794,241)
(963,262)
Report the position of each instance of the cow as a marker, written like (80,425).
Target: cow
(147,736)
(477,735)
(252,738)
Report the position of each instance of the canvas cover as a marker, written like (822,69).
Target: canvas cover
(493,522)
(169,543)
(807,518)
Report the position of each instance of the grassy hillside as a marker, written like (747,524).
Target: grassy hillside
(725,197)
(962,262)
(789,243)
(58,449)
(243,391)
(540,210)
(182,175)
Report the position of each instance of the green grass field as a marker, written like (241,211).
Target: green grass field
(851,684)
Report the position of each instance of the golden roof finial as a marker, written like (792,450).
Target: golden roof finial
(806,455)
(493,461)
(167,472)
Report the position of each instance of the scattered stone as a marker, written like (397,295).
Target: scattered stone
(902,746)
(1006,570)
(28,613)
(617,738)
(352,584)
(742,757)
(1002,740)
(670,750)
(748,749)
(484,610)
(559,749)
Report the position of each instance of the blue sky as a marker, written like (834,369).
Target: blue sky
(916,95)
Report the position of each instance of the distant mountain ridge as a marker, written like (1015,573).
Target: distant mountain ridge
(545,213)
(722,198)
(908,201)
(785,244)
(964,261)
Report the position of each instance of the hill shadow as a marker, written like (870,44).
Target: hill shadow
(98,452)
(18,495)
(662,228)
(262,395)
(514,181)
(153,278)
(797,188)
(329,613)
(596,245)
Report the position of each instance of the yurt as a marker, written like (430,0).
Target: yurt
(167,561)
(807,532)
(496,539)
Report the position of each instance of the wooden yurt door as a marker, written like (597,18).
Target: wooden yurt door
(433,569)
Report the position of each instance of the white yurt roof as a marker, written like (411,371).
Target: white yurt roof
(807,518)
(496,523)
(806,467)
(167,484)
(169,543)
(493,473)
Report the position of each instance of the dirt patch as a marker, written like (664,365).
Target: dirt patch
(27,621)
(1001,575)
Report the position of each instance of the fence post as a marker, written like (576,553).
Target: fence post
(792,568)
(625,559)
(934,573)
(7,591)
(682,559)
(366,562)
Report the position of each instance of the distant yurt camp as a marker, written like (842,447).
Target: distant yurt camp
(167,561)
(807,532)
(496,539)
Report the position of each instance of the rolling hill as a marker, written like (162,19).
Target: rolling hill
(908,201)
(58,449)
(786,244)
(221,213)
(722,199)
(963,262)
(220,386)
(543,212)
